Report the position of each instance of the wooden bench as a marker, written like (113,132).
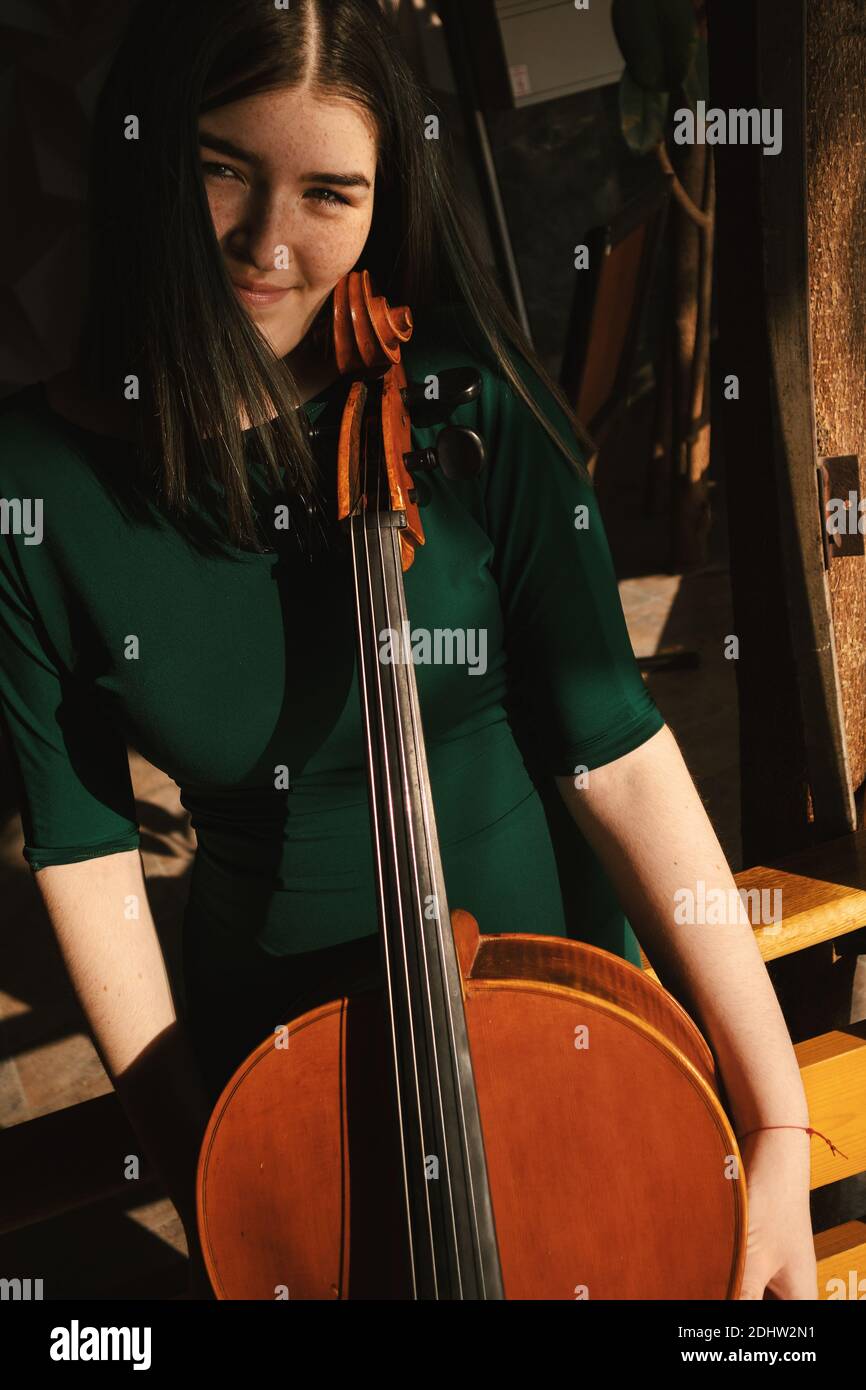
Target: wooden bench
(824,898)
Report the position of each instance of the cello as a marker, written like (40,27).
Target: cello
(499,1116)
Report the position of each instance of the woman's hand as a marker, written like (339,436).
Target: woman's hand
(780,1251)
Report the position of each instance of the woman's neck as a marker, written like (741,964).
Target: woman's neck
(311,369)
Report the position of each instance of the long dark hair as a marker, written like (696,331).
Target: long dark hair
(160,306)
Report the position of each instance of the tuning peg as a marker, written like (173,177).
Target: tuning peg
(459,452)
(457,386)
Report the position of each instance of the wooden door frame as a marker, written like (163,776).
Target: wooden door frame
(791,730)
(781,53)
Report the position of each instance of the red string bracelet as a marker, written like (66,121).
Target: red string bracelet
(807,1128)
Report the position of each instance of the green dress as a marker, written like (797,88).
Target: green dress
(235,674)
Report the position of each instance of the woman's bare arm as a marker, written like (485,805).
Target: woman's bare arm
(117,969)
(645,820)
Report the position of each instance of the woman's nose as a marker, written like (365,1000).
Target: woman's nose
(267,232)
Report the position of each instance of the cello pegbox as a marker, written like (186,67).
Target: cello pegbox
(368,337)
(368,331)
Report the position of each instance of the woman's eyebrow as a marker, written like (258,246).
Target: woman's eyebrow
(342,180)
(218,142)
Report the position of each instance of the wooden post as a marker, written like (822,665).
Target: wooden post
(794,777)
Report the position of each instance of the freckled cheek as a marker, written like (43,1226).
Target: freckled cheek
(224,213)
(328,252)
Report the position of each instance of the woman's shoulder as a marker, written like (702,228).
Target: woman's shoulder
(21,407)
(445,337)
(448,335)
(40,449)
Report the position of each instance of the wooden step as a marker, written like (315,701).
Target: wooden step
(67,1159)
(833,1068)
(841,1257)
(823,895)
(823,892)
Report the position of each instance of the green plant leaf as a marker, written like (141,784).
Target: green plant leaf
(635,24)
(642,114)
(657,39)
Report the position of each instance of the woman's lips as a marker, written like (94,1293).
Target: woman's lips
(260,297)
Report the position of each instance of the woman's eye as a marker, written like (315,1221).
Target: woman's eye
(218,171)
(327,197)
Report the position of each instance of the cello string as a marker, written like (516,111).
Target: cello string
(426,811)
(426,974)
(391,824)
(395,547)
(428,838)
(397,875)
(380,876)
(355,512)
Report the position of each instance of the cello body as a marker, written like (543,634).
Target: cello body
(608,1150)
(501,1116)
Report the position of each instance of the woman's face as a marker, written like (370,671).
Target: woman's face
(290,179)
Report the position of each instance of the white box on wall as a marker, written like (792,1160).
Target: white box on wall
(552,48)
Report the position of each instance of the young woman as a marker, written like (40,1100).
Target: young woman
(246,157)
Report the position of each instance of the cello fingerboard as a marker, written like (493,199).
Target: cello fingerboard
(449,1216)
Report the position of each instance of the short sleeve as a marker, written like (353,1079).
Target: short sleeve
(575,678)
(71,766)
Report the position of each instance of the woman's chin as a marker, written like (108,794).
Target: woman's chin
(284,338)
(282,344)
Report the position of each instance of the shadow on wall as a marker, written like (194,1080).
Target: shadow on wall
(56,57)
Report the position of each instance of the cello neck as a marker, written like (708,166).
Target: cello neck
(453,1251)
